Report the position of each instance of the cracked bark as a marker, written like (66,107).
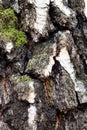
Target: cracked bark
(43,84)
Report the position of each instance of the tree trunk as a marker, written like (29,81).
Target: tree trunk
(43,77)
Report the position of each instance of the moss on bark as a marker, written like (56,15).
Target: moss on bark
(9,28)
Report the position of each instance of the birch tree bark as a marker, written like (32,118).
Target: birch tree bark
(43,65)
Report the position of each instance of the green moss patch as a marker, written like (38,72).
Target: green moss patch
(8,28)
(12,34)
(8,19)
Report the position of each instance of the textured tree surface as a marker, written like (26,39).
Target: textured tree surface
(43,64)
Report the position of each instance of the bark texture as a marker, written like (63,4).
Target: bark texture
(43,78)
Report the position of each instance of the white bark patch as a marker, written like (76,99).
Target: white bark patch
(32,110)
(32,113)
(48,68)
(41,14)
(30,1)
(66,10)
(42,3)
(85,9)
(9,47)
(32,94)
(65,62)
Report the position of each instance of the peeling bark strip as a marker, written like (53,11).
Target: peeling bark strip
(40,24)
(41,14)
(32,118)
(43,80)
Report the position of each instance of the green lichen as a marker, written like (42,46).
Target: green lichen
(8,28)
(25,78)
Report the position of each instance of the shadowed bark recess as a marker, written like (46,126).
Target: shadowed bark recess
(43,64)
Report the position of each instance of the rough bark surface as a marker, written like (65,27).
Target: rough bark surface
(43,83)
